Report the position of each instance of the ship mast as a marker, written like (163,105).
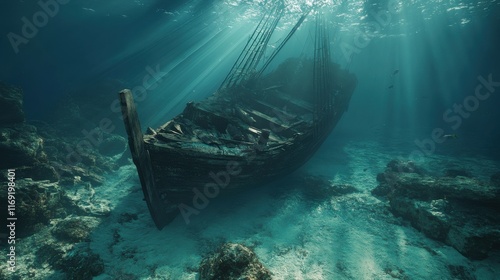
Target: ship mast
(278,49)
(251,55)
(322,76)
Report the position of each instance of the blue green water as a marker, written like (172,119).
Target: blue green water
(414,60)
(425,69)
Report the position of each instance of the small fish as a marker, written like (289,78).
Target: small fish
(450,136)
(395,72)
(391,86)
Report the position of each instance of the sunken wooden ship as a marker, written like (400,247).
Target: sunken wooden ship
(256,127)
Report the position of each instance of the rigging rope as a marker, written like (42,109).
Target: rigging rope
(278,49)
(254,48)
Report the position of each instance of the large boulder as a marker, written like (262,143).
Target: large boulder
(11,105)
(233,262)
(460,211)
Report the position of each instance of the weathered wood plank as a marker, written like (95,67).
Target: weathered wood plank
(161,214)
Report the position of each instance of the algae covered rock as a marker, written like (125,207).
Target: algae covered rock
(233,261)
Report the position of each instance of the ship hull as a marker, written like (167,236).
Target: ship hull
(238,138)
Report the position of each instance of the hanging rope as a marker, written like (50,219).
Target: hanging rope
(255,47)
(278,49)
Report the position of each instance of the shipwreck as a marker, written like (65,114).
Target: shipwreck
(259,125)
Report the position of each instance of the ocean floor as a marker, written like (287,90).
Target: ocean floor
(352,236)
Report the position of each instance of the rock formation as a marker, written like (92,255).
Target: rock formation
(460,211)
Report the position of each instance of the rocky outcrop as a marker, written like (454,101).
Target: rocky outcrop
(20,145)
(11,105)
(38,202)
(49,153)
(54,178)
(232,262)
(460,211)
(80,158)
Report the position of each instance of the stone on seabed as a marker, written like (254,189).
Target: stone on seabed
(233,262)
